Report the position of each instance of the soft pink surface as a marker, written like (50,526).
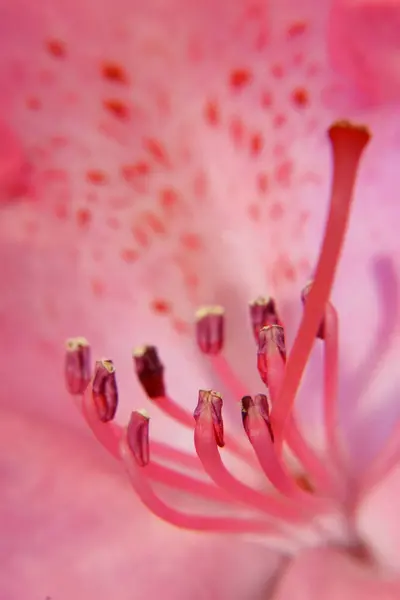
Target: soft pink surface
(225,107)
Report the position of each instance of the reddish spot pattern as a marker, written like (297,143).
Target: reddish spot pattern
(296,29)
(256,144)
(160,306)
(129,255)
(140,235)
(117,108)
(33,103)
(157,151)
(266,100)
(211,113)
(239,78)
(200,185)
(191,241)
(276,211)
(56,48)
(254,212)
(61,212)
(284,173)
(262,182)
(277,71)
(300,97)
(153,222)
(279,121)
(96,176)
(83,217)
(113,223)
(112,71)
(98,287)
(169,199)
(181,327)
(236,129)
(131,172)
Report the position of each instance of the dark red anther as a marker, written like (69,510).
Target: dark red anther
(150,371)
(77,365)
(257,407)
(271,345)
(210,329)
(263,313)
(304,294)
(209,406)
(104,390)
(137,435)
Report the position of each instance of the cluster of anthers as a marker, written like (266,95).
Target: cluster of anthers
(268,419)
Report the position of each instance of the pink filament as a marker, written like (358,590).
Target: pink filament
(331,367)
(182,520)
(208,453)
(347,145)
(184,417)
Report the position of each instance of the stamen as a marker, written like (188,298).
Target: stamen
(262,313)
(150,370)
(210,329)
(255,414)
(104,390)
(207,450)
(271,360)
(209,406)
(180,519)
(137,434)
(348,143)
(77,365)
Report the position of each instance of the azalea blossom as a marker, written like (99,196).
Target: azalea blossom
(161,158)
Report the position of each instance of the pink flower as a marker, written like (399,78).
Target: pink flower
(155,157)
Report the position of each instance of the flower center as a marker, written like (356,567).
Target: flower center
(268,420)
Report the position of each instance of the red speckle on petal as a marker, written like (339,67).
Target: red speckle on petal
(200,185)
(160,306)
(130,172)
(169,199)
(153,222)
(33,103)
(296,29)
(83,217)
(61,212)
(254,212)
(239,78)
(157,150)
(276,211)
(117,108)
(112,71)
(256,144)
(284,172)
(129,255)
(140,235)
(98,288)
(266,100)
(300,97)
(262,182)
(191,241)
(96,176)
(56,48)
(279,121)
(236,129)
(277,71)
(113,223)
(211,113)
(181,327)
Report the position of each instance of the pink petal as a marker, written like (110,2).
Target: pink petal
(331,575)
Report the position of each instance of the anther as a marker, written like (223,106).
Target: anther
(260,406)
(263,313)
(271,350)
(104,390)
(209,407)
(77,365)
(210,329)
(304,294)
(137,435)
(150,371)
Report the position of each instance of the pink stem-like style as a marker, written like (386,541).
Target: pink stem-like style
(179,519)
(347,144)
(331,368)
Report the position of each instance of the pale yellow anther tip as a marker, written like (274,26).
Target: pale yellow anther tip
(139,351)
(72,344)
(260,301)
(107,363)
(144,413)
(205,311)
